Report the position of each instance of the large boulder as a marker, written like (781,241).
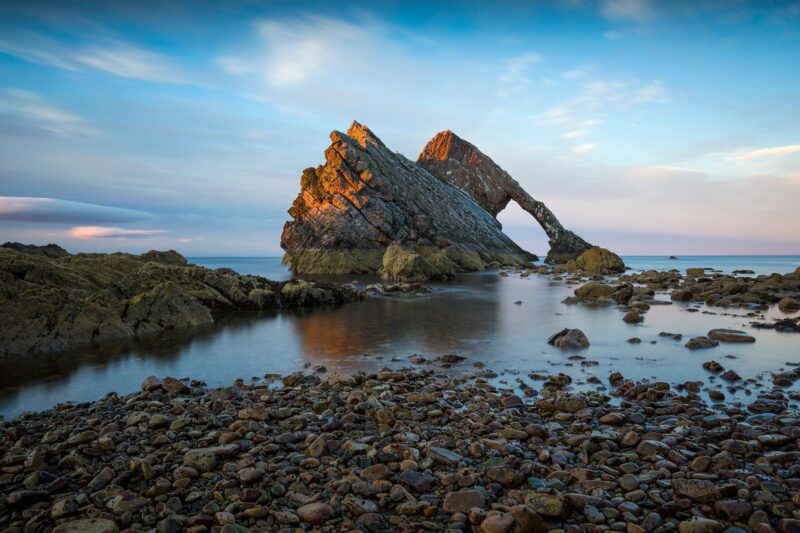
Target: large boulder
(417,263)
(366,197)
(454,160)
(594,290)
(597,260)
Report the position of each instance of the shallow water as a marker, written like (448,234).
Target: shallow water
(475,316)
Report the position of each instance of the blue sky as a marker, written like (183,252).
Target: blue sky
(649,127)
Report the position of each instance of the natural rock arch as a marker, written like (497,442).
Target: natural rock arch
(454,160)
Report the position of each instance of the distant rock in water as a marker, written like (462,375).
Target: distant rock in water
(454,160)
(54,303)
(49,250)
(370,210)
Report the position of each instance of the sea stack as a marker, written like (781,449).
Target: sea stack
(454,160)
(371,210)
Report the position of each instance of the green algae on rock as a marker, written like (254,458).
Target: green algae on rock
(54,303)
(597,260)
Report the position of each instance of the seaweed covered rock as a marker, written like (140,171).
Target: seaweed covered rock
(366,197)
(417,263)
(49,304)
(597,260)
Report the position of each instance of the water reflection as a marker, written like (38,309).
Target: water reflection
(476,315)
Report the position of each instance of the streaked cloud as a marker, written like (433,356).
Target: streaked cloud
(55,211)
(105,232)
(28,111)
(110,56)
(603,97)
(774,151)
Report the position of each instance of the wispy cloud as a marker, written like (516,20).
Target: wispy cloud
(583,149)
(105,232)
(28,110)
(576,134)
(110,56)
(56,211)
(774,151)
(628,10)
(578,72)
(603,96)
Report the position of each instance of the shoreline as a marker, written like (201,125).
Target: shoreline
(402,451)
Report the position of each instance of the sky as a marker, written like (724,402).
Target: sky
(647,127)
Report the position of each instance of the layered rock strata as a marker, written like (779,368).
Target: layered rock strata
(456,161)
(366,198)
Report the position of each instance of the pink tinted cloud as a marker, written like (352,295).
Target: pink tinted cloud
(104,232)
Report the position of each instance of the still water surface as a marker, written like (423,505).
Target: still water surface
(475,315)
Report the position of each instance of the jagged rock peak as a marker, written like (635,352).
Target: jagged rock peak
(454,160)
(366,197)
(362,135)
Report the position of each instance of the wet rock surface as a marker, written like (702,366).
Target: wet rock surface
(401,450)
(723,290)
(53,303)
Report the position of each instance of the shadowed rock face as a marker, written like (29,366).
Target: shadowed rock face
(366,197)
(454,160)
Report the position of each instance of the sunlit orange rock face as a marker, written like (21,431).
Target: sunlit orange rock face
(455,161)
(366,197)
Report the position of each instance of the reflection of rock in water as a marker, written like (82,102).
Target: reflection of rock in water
(431,324)
(166,346)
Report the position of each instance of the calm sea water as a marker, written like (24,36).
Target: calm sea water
(475,315)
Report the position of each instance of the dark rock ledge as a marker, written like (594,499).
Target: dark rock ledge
(51,302)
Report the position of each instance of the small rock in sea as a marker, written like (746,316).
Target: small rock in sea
(716,395)
(730,375)
(730,335)
(633,317)
(713,366)
(699,343)
(634,340)
(569,339)
(788,305)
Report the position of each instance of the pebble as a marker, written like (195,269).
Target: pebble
(403,450)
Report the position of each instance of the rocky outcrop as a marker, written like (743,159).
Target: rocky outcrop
(454,160)
(49,304)
(366,198)
(49,250)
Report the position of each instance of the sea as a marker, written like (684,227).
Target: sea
(503,322)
